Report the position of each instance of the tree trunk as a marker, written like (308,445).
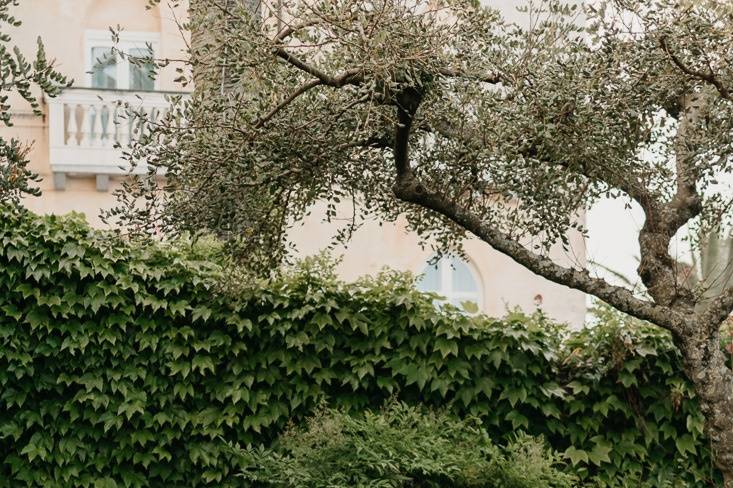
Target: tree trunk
(704,363)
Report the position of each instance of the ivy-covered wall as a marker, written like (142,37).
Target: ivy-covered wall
(121,366)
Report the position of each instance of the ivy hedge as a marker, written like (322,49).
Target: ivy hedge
(122,365)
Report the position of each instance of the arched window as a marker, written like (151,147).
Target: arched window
(453,279)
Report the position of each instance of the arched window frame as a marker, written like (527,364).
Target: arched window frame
(447,288)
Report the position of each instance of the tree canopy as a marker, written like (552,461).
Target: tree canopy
(519,127)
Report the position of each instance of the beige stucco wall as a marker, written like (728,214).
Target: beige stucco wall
(504,283)
(62,24)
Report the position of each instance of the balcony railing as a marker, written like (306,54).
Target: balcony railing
(89,129)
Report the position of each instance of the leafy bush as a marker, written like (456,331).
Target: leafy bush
(401,446)
(121,365)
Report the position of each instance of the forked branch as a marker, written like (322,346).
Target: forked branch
(707,77)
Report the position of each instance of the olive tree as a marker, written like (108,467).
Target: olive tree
(465,124)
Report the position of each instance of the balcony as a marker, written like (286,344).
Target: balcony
(89,129)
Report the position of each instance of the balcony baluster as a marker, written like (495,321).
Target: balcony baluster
(72,128)
(86,125)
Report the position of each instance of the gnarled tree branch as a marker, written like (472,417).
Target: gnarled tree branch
(411,190)
(657,268)
(484,78)
(347,77)
(707,77)
(290,98)
(718,310)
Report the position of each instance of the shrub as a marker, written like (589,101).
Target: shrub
(400,446)
(121,365)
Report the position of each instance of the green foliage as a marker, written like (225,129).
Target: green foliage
(451,120)
(21,76)
(401,446)
(631,414)
(122,365)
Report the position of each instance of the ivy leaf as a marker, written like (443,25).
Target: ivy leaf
(599,454)
(576,455)
(685,443)
(322,320)
(446,347)
(517,419)
(201,312)
(417,374)
(470,307)
(203,363)
(514,395)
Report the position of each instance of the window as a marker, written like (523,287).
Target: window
(453,279)
(107,69)
(104,70)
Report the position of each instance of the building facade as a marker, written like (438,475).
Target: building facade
(74,152)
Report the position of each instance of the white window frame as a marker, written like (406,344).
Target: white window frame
(446,289)
(127,41)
